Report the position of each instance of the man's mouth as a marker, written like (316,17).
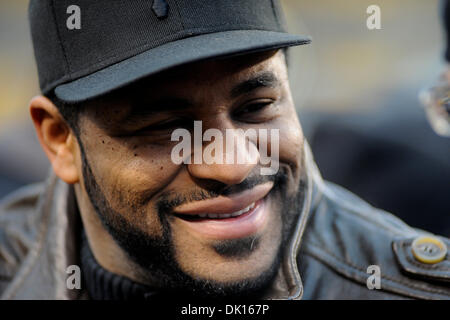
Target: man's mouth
(231,217)
(201,216)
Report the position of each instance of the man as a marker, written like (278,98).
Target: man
(123,87)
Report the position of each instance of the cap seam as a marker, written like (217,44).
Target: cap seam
(277,19)
(67,66)
(179,15)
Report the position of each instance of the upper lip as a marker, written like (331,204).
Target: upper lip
(226,205)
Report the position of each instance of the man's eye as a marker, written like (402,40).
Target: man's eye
(253,109)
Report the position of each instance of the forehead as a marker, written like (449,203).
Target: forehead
(214,70)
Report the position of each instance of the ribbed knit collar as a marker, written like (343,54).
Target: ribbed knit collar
(104,285)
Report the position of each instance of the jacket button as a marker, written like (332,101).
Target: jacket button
(428,249)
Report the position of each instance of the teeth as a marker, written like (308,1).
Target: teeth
(227,215)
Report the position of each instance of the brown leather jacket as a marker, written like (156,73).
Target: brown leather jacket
(337,237)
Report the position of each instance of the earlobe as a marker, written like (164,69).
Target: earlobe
(56,138)
(64,163)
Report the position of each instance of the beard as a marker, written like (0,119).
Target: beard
(155,255)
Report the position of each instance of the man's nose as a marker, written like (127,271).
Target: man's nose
(238,158)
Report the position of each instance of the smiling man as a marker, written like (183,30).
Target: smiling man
(141,225)
(194,226)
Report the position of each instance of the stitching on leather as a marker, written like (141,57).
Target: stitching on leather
(306,212)
(420,265)
(415,286)
(397,290)
(423,266)
(350,264)
(387,278)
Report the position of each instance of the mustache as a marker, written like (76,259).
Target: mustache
(169,200)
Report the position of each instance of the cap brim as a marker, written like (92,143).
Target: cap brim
(206,46)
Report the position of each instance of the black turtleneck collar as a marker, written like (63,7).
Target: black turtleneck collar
(104,285)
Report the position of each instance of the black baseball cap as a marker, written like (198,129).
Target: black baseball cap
(117,42)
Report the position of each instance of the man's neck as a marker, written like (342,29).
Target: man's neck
(102,284)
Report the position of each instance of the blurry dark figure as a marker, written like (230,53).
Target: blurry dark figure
(393,159)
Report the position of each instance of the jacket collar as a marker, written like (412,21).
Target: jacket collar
(288,283)
(43,273)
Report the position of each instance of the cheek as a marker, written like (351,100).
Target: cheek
(146,168)
(130,175)
(291,141)
(143,170)
(290,155)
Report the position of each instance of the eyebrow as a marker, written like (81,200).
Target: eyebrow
(265,79)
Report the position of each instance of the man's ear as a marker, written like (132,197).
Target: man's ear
(56,138)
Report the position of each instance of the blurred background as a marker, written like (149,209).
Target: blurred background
(356,91)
